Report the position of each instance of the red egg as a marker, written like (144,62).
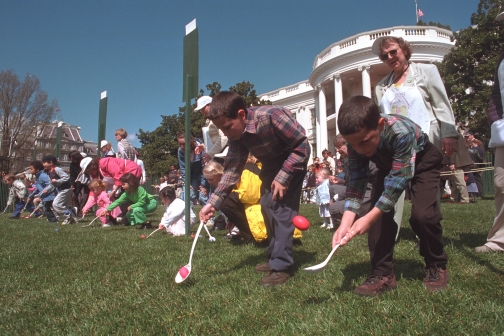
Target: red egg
(184,272)
(301,223)
(142,236)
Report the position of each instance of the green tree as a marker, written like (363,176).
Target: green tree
(159,147)
(468,68)
(431,23)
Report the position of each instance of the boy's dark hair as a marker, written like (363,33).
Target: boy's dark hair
(50,158)
(357,113)
(167,192)
(37,165)
(131,179)
(75,155)
(226,104)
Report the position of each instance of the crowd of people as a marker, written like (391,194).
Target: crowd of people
(251,168)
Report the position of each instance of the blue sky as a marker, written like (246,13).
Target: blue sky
(133,49)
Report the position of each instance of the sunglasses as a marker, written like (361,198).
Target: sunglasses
(385,56)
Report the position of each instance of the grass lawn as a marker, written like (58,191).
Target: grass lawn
(91,280)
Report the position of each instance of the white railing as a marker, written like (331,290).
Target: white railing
(362,41)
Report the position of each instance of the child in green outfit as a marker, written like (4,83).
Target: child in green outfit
(142,202)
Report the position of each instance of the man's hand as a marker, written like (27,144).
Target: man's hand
(206,212)
(278,190)
(449,145)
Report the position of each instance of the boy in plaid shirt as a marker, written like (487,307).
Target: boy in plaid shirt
(280,143)
(403,154)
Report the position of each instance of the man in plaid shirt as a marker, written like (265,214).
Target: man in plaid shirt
(403,154)
(277,140)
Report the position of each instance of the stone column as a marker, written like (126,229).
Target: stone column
(366,80)
(322,125)
(338,96)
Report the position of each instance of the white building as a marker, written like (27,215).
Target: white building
(348,68)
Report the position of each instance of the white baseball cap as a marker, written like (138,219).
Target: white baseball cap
(202,102)
(103,143)
(500,17)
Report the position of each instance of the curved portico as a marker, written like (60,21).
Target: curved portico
(348,68)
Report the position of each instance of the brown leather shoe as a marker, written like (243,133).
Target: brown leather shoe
(275,278)
(263,268)
(436,279)
(376,285)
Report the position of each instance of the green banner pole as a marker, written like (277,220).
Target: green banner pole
(58,140)
(190,90)
(102,119)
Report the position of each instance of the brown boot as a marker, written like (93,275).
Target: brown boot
(436,279)
(376,285)
(263,268)
(275,278)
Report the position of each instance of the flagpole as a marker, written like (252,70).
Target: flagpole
(416,11)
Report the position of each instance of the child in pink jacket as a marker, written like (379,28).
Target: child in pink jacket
(100,198)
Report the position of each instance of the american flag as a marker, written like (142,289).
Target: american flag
(420,13)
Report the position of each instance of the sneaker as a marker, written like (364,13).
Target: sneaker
(436,279)
(323,225)
(209,223)
(66,221)
(376,285)
(105,225)
(330,227)
(145,226)
(486,249)
(14,217)
(275,278)
(263,268)
(119,220)
(235,231)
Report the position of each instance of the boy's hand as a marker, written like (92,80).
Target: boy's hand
(363,224)
(129,208)
(53,180)
(278,190)
(37,199)
(102,213)
(346,223)
(206,212)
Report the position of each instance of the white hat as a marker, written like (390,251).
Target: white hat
(103,143)
(84,163)
(377,44)
(223,153)
(83,154)
(202,102)
(500,17)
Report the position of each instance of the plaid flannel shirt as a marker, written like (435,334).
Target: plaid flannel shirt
(272,135)
(400,140)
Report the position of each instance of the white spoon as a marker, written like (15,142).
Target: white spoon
(210,237)
(152,233)
(91,222)
(179,278)
(320,267)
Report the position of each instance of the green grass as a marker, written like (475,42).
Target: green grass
(81,281)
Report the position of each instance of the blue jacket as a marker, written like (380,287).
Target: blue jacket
(42,183)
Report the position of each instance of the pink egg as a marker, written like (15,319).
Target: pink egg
(301,222)
(184,272)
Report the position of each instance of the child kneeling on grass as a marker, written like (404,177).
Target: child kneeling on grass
(403,154)
(17,194)
(44,191)
(174,217)
(100,198)
(142,202)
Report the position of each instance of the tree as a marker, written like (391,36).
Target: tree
(159,147)
(22,106)
(431,23)
(468,68)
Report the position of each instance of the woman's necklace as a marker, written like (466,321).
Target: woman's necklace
(398,77)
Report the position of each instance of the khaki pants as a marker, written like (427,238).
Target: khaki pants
(459,189)
(495,239)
